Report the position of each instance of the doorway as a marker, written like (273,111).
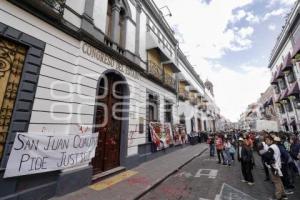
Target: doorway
(199,125)
(111,122)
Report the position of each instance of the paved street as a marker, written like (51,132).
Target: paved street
(134,183)
(204,179)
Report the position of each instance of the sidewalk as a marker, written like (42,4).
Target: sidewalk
(134,183)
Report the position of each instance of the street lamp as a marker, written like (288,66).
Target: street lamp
(169,14)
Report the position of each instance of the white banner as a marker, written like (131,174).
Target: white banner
(37,153)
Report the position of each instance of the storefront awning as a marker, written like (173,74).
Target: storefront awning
(200,95)
(277,99)
(153,43)
(294,91)
(274,80)
(174,67)
(193,89)
(205,100)
(182,79)
(280,73)
(287,64)
(284,94)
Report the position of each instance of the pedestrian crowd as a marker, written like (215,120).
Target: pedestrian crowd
(279,154)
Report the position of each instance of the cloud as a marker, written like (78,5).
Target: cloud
(248,16)
(207,35)
(252,18)
(238,16)
(235,90)
(278,12)
(242,41)
(245,32)
(272,27)
(213,37)
(281,2)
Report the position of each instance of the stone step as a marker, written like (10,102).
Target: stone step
(104,175)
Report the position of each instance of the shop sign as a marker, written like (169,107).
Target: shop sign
(104,58)
(38,153)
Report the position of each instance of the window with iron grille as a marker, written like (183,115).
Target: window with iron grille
(289,106)
(168,112)
(291,77)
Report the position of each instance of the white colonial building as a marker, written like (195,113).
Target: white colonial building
(107,66)
(284,66)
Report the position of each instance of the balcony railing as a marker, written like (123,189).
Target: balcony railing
(57,5)
(53,8)
(155,70)
(170,81)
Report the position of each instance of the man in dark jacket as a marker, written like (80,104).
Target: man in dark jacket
(285,159)
(245,156)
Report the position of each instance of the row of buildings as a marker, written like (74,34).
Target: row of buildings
(65,64)
(280,102)
(260,115)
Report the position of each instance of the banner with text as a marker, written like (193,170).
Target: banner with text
(37,153)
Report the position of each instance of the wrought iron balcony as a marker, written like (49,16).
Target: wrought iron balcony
(53,8)
(170,81)
(155,70)
(57,5)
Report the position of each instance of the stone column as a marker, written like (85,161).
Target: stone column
(137,27)
(89,10)
(115,23)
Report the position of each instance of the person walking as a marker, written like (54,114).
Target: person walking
(295,152)
(273,159)
(245,156)
(227,148)
(232,149)
(220,147)
(285,159)
(263,148)
(211,142)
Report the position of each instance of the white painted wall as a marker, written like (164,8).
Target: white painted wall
(65,96)
(99,14)
(130,36)
(76,5)
(143,32)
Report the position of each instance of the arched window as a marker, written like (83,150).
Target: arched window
(117,13)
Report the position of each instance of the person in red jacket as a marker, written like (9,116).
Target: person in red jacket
(220,148)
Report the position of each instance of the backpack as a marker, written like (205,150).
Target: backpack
(284,154)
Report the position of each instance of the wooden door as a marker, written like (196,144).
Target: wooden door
(199,125)
(109,125)
(12,56)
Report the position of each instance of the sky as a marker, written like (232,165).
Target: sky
(229,42)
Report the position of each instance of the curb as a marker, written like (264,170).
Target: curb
(159,181)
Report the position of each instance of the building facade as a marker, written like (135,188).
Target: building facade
(267,108)
(284,66)
(107,66)
(261,115)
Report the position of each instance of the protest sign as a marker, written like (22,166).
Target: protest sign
(37,153)
(161,135)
